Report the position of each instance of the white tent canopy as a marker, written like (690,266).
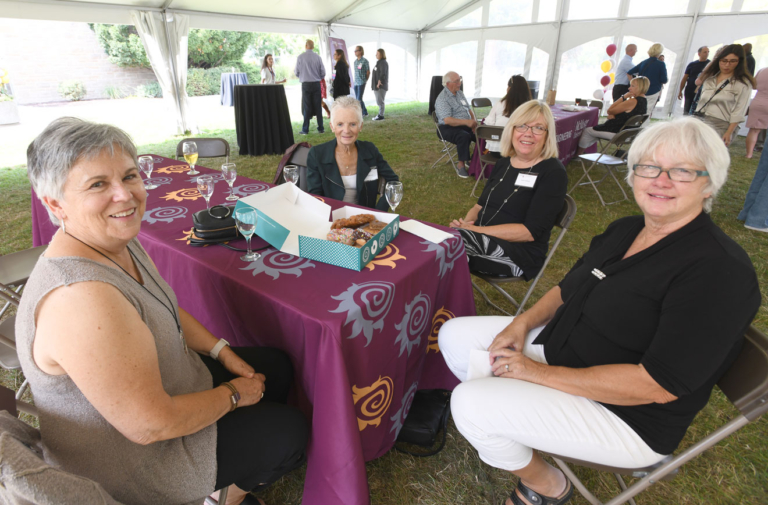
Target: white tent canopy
(560,43)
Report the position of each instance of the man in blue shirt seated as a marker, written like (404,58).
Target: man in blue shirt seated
(456,121)
(310,71)
(688,83)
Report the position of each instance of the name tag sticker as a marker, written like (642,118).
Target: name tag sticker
(360,66)
(495,137)
(463,102)
(526,180)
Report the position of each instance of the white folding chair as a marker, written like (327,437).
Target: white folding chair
(621,141)
(449,149)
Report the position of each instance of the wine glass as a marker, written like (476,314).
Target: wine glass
(205,187)
(246,220)
(394,193)
(229,172)
(146,164)
(190,155)
(291,174)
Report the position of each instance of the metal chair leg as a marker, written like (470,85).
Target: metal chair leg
(482,177)
(488,300)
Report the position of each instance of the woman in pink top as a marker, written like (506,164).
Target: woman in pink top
(758,111)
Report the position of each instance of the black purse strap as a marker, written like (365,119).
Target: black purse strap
(723,85)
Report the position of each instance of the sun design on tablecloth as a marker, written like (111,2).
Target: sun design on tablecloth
(387,258)
(182,194)
(446,252)
(405,408)
(187,235)
(173,169)
(372,402)
(164,214)
(366,305)
(413,324)
(440,318)
(274,263)
(321,199)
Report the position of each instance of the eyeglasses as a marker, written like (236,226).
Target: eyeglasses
(536,130)
(674,174)
(730,62)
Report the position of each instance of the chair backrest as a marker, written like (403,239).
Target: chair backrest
(582,102)
(489,132)
(746,381)
(16,267)
(480,103)
(437,127)
(299,158)
(567,213)
(624,138)
(634,122)
(206,148)
(9,358)
(596,103)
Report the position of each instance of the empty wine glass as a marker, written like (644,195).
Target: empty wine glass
(394,193)
(291,174)
(205,187)
(190,155)
(229,172)
(246,219)
(146,164)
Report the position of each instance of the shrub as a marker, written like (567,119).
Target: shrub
(72,90)
(151,89)
(114,92)
(253,71)
(203,82)
(283,71)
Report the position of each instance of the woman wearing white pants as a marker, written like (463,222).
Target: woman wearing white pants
(613,364)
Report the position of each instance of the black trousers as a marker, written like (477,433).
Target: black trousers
(688,103)
(258,444)
(619,90)
(462,136)
(310,105)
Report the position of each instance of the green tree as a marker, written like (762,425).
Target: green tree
(213,48)
(122,45)
(278,44)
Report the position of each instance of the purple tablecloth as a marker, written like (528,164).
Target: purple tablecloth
(568,126)
(361,343)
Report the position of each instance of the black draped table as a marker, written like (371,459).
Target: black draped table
(262,120)
(228,82)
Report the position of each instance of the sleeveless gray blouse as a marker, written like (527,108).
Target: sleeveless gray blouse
(76,438)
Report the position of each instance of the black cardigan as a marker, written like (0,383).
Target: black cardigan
(324,178)
(680,308)
(341,81)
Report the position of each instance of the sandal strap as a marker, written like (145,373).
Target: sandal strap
(537,499)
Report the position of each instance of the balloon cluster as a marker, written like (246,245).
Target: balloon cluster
(608,78)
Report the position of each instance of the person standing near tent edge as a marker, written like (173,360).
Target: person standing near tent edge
(380,81)
(688,83)
(621,83)
(310,71)
(362,73)
(656,72)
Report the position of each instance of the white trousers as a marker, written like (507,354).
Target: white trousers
(589,136)
(505,418)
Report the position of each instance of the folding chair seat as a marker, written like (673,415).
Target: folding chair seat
(631,124)
(620,141)
(206,148)
(486,133)
(745,384)
(564,220)
(481,103)
(448,149)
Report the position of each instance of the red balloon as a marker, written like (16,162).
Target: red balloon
(605,80)
(611,49)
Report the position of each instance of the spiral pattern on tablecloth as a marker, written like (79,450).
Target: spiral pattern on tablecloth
(440,318)
(250,188)
(164,214)
(366,305)
(405,407)
(414,323)
(372,402)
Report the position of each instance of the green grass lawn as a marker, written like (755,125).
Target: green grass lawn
(734,472)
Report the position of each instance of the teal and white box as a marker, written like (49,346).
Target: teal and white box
(297,223)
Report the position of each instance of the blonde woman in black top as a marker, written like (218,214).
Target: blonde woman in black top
(507,232)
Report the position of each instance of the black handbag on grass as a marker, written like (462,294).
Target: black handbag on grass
(428,415)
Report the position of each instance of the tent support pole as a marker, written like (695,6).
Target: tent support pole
(174,73)
(418,65)
(674,84)
(553,62)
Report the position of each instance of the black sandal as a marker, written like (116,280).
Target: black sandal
(537,499)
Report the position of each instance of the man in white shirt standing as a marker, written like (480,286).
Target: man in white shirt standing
(621,81)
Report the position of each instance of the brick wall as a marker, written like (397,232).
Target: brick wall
(40,54)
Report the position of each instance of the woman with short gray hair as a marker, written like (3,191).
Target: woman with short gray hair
(612,365)
(346,168)
(133,391)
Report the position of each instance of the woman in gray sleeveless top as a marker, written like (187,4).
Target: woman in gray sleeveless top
(133,392)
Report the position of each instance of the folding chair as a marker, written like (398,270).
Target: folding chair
(298,158)
(631,124)
(14,272)
(449,149)
(206,148)
(620,141)
(564,220)
(596,103)
(581,102)
(9,358)
(480,103)
(745,385)
(486,133)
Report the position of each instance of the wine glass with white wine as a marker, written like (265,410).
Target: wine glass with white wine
(205,187)
(246,219)
(146,165)
(189,149)
(229,173)
(394,193)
